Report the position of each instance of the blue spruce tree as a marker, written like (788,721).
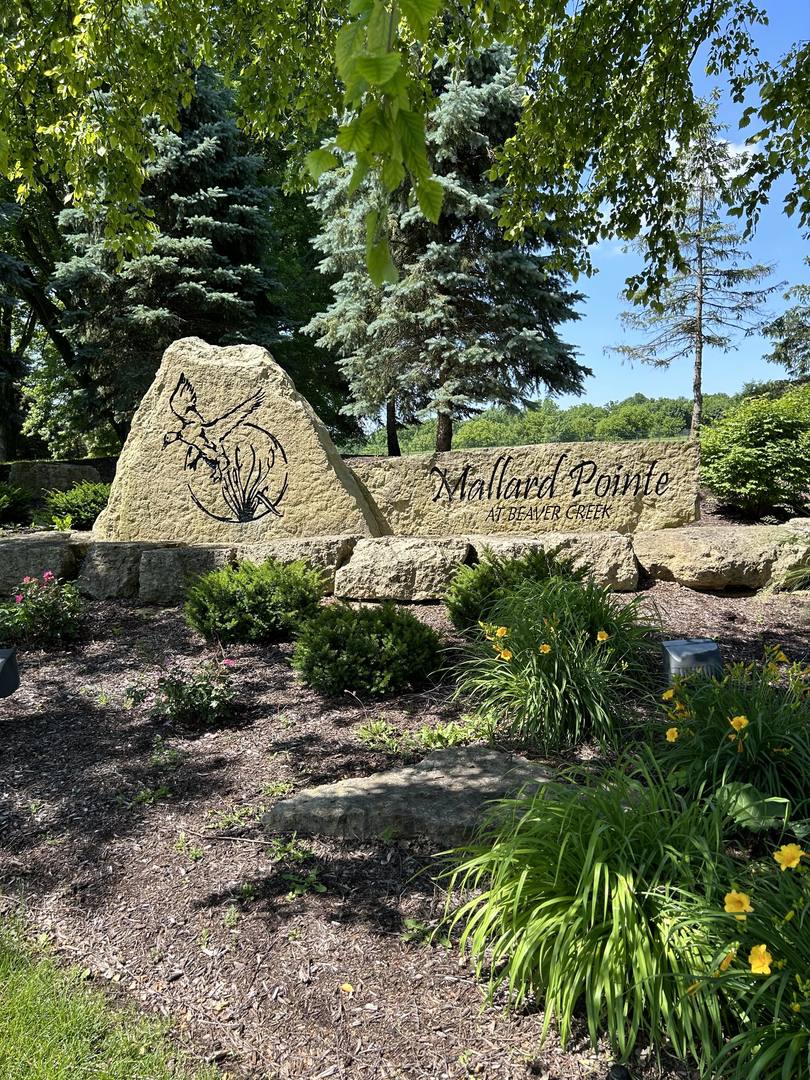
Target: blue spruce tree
(473,317)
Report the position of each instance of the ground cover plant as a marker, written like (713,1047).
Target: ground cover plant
(76,508)
(560,661)
(751,727)
(202,699)
(574,900)
(371,650)
(257,603)
(42,611)
(53,1026)
(476,590)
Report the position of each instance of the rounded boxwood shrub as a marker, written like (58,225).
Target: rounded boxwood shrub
(756,456)
(253,603)
(476,590)
(76,508)
(372,650)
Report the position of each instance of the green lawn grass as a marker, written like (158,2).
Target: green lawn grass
(53,1026)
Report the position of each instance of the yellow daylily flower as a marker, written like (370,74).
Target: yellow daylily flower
(506,654)
(737,904)
(502,631)
(668,695)
(760,960)
(545,648)
(739,722)
(780,657)
(672,734)
(789,856)
(603,635)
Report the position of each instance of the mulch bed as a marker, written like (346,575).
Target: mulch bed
(243,947)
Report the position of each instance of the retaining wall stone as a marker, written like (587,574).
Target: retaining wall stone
(608,555)
(401,568)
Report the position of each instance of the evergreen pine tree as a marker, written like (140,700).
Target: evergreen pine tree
(714,296)
(206,274)
(473,317)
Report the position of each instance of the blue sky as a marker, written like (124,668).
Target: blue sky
(777,240)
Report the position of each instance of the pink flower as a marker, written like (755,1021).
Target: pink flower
(49,576)
(27,580)
(18,599)
(229,663)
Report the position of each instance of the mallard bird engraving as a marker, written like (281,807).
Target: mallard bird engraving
(204,439)
(241,456)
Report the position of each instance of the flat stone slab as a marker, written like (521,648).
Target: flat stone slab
(608,556)
(441,799)
(31,554)
(403,568)
(716,557)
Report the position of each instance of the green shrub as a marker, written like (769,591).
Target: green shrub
(752,726)
(76,508)
(756,456)
(760,966)
(559,663)
(200,700)
(573,898)
(43,611)
(249,602)
(372,650)
(15,502)
(475,590)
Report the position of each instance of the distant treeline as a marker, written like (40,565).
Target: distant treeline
(636,417)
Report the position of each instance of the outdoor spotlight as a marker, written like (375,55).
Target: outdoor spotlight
(9,673)
(685,655)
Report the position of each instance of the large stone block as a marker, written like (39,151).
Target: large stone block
(223,450)
(716,557)
(165,572)
(400,568)
(442,798)
(608,555)
(31,554)
(525,490)
(324,553)
(111,570)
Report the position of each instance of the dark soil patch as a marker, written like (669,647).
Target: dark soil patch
(137,848)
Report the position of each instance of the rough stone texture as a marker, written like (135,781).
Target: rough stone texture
(324,553)
(41,476)
(525,490)
(401,568)
(164,572)
(609,555)
(31,554)
(720,556)
(798,524)
(223,450)
(111,570)
(441,798)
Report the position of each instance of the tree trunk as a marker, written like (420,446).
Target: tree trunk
(391,429)
(444,432)
(697,377)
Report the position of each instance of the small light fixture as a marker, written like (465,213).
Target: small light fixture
(686,655)
(9,673)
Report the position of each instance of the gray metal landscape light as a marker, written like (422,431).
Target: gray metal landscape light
(684,656)
(9,673)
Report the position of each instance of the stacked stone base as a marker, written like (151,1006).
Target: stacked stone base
(415,569)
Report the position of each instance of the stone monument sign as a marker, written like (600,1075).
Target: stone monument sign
(552,487)
(224,449)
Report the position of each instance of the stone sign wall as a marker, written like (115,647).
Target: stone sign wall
(554,487)
(224,450)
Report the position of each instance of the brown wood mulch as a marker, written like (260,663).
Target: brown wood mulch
(138,850)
